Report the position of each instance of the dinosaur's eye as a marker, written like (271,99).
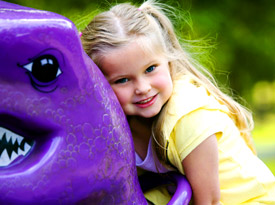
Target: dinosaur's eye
(44,68)
(43,71)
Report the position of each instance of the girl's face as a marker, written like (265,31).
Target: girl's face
(142,83)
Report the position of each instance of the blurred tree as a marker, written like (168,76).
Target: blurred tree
(244,32)
(246,42)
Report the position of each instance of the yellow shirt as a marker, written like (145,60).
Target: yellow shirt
(194,115)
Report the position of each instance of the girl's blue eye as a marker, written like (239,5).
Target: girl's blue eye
(150,69)
(122,80)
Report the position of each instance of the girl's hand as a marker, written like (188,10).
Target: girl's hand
(201,167)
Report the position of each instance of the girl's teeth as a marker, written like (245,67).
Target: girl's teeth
(145,101)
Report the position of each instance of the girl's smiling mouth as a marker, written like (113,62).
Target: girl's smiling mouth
(147,102)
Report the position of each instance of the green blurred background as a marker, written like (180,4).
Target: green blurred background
(243,37)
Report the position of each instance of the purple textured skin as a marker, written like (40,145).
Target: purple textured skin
(82,148)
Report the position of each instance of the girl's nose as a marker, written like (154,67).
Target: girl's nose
(143,86)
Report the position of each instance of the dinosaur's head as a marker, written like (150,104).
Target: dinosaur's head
(63,135)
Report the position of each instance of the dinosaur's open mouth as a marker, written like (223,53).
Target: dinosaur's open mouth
(12,146)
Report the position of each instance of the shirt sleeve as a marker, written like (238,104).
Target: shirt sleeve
(194,128)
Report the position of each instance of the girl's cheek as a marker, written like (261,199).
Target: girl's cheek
(121,96)
(163,81)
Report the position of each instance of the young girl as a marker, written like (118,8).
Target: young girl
(178,116)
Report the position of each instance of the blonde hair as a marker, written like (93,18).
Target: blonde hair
(124,23)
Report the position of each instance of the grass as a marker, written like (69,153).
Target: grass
(264,138)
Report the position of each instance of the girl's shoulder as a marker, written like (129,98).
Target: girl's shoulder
(188,97)
(185,86)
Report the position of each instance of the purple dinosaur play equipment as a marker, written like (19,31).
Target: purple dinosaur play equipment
(64,138)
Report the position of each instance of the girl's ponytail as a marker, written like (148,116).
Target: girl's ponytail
(155,10)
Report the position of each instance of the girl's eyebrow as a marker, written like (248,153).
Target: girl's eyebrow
(151,62)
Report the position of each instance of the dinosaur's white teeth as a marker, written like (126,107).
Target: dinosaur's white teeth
(9,149)
(19,140)
(13,156)
(27,148)
(10,135)
(13,139)
(4,159)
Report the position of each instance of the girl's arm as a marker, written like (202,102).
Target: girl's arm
(201,169)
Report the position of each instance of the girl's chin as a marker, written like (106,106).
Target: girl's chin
(148,114)
(144,113)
